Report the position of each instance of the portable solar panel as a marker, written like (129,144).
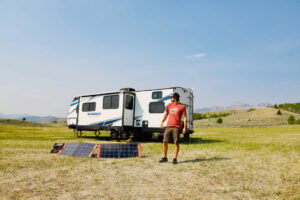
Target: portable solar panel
(119,150)
(75,149)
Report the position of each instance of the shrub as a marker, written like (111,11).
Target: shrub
(275,106)
(251,109)
(213,115)
(293,107)
(291,119)
(219,120)
(278,112)
(198,116)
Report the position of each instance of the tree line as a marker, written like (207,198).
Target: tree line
(198,116)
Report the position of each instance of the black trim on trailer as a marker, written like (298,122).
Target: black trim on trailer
(120,128)
(97,128)
(157,89)
(78,112)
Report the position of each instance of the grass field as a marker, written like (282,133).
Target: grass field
(219,163)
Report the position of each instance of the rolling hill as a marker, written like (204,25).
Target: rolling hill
(256,118)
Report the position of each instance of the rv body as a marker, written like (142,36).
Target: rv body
(127,112)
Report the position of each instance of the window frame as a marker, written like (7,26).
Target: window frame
(130,103)
(89,107)
(157,112)
(158,95)
(111,102)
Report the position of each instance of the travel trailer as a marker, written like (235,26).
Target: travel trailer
(127,113)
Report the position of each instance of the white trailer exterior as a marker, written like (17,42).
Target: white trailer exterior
(127,113)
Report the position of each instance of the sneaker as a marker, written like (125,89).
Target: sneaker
(163,160)
(174,161)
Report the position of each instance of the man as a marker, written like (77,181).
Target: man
(175,111)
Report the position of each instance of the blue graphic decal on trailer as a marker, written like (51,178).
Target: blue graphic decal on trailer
(74,103)
(108,122)
(165,98)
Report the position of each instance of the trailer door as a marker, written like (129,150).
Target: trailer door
(128,109)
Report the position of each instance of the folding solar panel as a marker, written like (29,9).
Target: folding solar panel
(128,150)
(75,149)
(118,150)
(109,150)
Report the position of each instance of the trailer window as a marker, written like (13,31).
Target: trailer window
(157,107)
(129,102)
(88,107)
(157,95)
(111,102)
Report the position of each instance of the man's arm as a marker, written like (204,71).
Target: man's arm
(164,119)
(185,122)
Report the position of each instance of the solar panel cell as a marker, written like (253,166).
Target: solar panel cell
(75,149)
(119,150)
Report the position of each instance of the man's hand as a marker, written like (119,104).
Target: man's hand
(184,131)
(161,125)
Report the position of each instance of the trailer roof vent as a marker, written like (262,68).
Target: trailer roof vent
(127,89)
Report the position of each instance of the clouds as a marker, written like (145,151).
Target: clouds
(196,56)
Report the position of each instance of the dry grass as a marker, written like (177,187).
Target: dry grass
(257,118)
(227,163)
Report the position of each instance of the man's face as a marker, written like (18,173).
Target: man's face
(172,99)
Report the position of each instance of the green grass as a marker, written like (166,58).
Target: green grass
(218,163)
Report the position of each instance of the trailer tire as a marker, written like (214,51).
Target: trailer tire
(74,131)
(97,133)
(114,135)
(124,135)
(78,133)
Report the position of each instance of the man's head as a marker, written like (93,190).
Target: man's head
(175,97)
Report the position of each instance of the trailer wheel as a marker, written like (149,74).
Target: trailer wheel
(114,135)
(74,131)
(124,135)
(78,133)
(97,133)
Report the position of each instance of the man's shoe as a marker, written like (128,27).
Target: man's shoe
(174,161)
(163,160)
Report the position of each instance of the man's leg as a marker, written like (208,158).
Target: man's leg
(166,139)
(165,146)
(176,137)
(176,150)
(165,149)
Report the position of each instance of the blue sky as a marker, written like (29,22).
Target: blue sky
(51,51)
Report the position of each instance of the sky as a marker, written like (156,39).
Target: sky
(226,51)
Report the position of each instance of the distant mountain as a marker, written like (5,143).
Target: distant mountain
(235,106)
(13,116)
(32,118)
